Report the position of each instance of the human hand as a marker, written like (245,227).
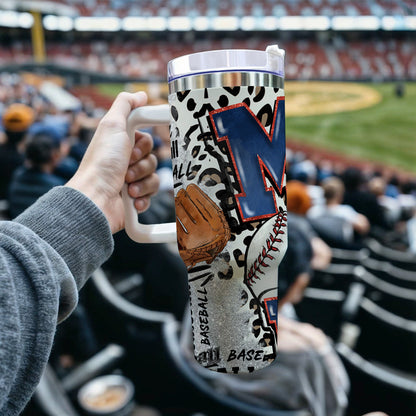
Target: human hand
(295,336)
(112,159)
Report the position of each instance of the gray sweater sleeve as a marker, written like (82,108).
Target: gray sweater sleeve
(46,255)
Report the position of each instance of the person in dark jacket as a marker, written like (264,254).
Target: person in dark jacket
(16,120)
(35,177)
(364,202)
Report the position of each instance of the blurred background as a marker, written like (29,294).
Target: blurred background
(350,72)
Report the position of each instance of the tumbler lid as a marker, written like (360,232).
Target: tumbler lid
(228,60)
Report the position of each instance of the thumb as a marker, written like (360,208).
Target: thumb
(124,103)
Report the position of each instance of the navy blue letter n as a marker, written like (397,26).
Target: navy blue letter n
(254,152)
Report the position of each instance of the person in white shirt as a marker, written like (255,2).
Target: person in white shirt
(352,221)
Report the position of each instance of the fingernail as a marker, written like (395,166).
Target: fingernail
(140,204)
(137,189)
(137,153)
(130,175)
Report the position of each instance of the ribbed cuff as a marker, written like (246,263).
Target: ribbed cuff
(74,226)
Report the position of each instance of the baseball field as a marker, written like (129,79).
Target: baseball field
(360,121)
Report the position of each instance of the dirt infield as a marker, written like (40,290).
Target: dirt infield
(302,99)
(312,98)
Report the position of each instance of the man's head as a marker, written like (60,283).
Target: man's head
(298,199)
(16,120)
(333,189)
(43,152)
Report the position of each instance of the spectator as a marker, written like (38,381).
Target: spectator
(411,233)
(57,127)
(337,222)
(35,177)
(298,204)
(83,131)
(162,150)
(295,270)
(304,170)
(357,196)
(391,206)
(17,119)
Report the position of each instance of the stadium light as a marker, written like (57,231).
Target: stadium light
(179,23)
(305,23)
(62,23)
(201,23)
(41,6)
(410,22)
(92,24)
(228,23)
(9,19)
(389,23)
(355,23)
(131,23)
(65,23)
(316,23)
(269,23)
(25,20)
(248,23)
(157,23)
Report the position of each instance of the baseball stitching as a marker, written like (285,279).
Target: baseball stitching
(267,250)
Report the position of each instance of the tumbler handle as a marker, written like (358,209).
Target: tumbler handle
(141,117)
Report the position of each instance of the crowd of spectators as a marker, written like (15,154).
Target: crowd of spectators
(48,144)
(336,58)
(348,203)
(384,200)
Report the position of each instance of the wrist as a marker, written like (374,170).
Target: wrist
(89,186)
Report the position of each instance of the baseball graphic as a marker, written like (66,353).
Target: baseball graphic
(266,249)
(202,229)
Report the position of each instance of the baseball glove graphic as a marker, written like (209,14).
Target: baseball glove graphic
(201,226)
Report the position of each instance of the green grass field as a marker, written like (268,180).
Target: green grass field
(384,133)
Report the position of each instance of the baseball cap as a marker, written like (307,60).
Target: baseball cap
(18,117)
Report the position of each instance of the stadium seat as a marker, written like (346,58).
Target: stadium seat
(402,259)
(332,230)
(163,377)
(53,395)
(4,209)
(333,277)
(384,337)
(389,273)
(343,256)
(377,388)
(306,8)
(395,299)
(306,60)
(386,294)
(323,309)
